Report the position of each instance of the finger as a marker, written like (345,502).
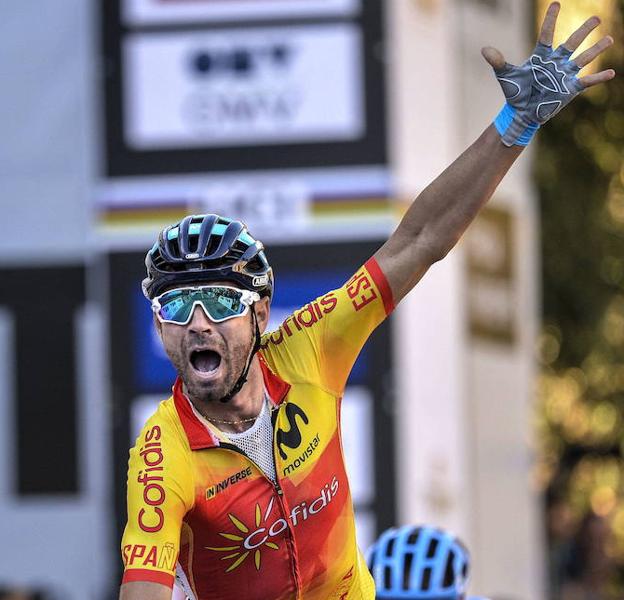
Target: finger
(494,57)
(602,77)
(578,37)
(586,57)
(548,26)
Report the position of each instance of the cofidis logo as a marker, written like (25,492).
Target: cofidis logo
(151,518)
(250,540)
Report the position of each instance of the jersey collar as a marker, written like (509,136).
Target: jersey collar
(198,435)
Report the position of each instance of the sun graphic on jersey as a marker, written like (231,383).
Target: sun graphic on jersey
(238,551)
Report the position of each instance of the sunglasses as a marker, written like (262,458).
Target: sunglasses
(219,302)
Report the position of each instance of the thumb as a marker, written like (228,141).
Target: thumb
(494,58)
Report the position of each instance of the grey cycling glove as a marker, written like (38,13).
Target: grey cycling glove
(535,92)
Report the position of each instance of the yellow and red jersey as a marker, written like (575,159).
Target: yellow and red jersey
(197,501)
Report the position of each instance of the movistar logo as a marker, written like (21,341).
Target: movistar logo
(292,436)
(303,455)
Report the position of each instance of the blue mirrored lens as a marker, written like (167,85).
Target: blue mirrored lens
(219,303)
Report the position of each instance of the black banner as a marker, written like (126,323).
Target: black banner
(42,303)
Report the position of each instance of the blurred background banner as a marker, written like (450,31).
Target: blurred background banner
(245,87)
(150,12)
(200,89)
(492,396)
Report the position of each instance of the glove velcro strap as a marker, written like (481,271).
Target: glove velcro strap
(513,129)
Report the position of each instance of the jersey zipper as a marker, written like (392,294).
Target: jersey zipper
(280,495)
(295,566)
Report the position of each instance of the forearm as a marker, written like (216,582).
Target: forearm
(143,590)
(441,213)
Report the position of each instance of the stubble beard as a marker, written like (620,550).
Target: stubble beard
(233,360)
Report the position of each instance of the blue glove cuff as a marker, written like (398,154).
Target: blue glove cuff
(512,129)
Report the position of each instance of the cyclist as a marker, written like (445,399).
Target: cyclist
(236,485)
(419,563)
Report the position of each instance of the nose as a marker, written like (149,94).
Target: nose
(199,321)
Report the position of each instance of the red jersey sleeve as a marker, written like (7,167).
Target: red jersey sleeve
(160,493)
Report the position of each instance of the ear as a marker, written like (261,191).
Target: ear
(263,311)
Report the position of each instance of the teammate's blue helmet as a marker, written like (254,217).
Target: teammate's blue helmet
(419,563)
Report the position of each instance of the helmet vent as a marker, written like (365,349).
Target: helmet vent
(449,572)
(426,580)
(390,548)
(387,577)
(213,244)
(433,546)
(174,247)
(239,247)
(413,537)
(193,244)
(256,265)
(407,571)
(159,261)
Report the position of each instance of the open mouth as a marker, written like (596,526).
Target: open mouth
(205,361)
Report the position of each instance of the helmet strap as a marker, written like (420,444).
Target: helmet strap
(240,382)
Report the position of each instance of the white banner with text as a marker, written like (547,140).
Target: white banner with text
(251,87)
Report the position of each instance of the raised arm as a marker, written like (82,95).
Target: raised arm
(535,92)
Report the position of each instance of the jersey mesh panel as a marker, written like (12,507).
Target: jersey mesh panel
(257,442)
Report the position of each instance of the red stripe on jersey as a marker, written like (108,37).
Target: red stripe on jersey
(131,575)
(372,266)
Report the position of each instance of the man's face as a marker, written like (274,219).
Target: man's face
(208,356)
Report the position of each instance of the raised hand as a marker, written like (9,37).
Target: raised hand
(539,88)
